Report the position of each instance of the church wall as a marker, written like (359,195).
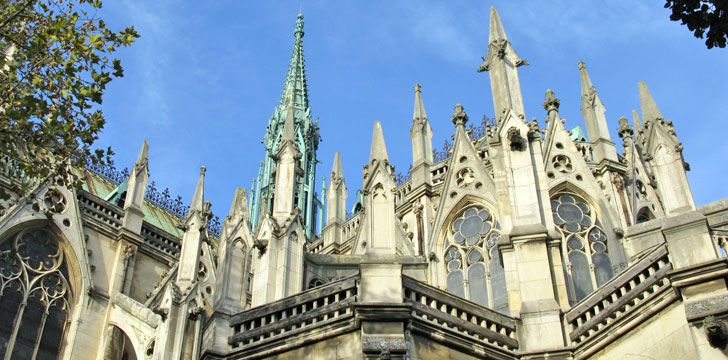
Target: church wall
(102,252)
(426,349)
(344,347)
(147,272)
(667,336)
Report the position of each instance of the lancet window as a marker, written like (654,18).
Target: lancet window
(35,296)
(584,244)
(472,259)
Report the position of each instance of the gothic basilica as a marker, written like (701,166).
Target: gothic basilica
(521,242)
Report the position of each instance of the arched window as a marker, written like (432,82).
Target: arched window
(35,295)
(472,259)
(584,245)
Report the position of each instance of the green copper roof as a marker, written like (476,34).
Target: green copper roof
(577,134)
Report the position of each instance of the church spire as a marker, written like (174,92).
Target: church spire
(502,61)
(421,137)
(592,109)
(294,104)
(647,103)
(295,89)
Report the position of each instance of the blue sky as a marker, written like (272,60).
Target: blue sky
(201,82)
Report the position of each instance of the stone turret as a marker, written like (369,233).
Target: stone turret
(501,62)
(592,109)
(663,153)
(195,228)
(378,226)
(421,136)
(137,184)
(523,200)
(286,159)
(335,206)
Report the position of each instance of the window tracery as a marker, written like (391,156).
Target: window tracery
(584,245)
(472,259)
(35,295)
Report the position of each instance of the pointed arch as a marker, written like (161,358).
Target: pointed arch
(584,244)
(40,288)
(471,265)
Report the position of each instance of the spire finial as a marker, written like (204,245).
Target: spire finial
(551,103)
(337,170)
(199,197)
(419,113)
(379,148)
(650,111)
(299,26)
(582,65)
(496,27)
(460,118)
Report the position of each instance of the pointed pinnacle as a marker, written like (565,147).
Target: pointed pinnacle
(586,84)
(199,197)
(496,27)
(379,148)
(288,126)
(143,157)
(648,105)
(240,203)
(637,121)
(337,170)
(419,113)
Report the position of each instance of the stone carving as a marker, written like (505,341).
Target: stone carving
(465,177)
(514,138)
(562,163)
(54,201)
(716,331)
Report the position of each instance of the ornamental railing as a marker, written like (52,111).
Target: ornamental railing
(321,306)
(620,297)
(434,309)
(163,199)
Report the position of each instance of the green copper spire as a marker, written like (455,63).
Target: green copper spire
(304,133)
(295,89)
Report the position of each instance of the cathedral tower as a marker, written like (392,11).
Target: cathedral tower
(306,135)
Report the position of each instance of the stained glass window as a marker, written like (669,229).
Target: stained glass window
(584,244)
(472,259)
(35,295)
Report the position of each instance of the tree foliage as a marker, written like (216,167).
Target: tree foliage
(707,19)
(54,68)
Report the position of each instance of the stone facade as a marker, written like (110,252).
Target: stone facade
(520,243)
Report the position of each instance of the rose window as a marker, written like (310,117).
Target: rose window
(472,259)
(585,244)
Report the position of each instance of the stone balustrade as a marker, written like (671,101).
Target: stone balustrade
(100,210)
(351,226)
(436,311)
(275,323)
(161,240)
(438,172)
(620,297)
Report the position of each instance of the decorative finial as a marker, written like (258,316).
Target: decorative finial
(418,87)
(624,129)
(202,170)
(581,65)
(459,118)
(551,103)
(299,27)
